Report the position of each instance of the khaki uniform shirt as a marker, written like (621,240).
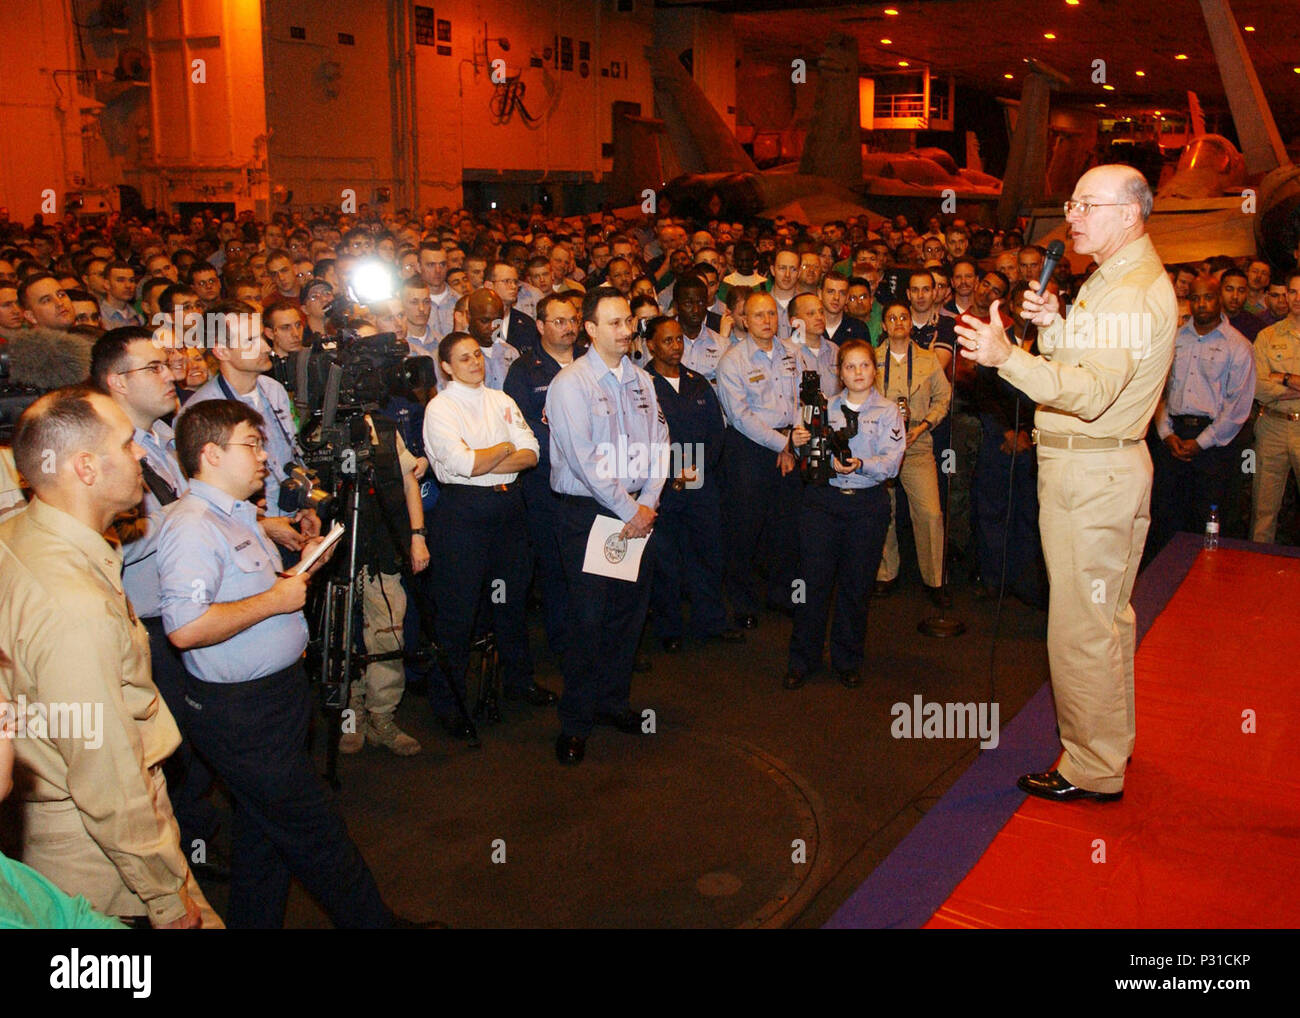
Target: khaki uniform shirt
(78,649)
(930,393)
(1103,368)
(1277,348)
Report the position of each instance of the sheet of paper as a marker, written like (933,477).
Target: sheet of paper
(608,554)
(331,539)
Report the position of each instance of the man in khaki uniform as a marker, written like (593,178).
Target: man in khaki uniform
(96,817)
(1097,385)
(904,371)
(1277,431)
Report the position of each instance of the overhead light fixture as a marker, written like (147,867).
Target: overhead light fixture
(1049,35)
(1008,75)
(1180,56)
(1071,3)
(886,42)
(904,63)
(891,11)
(1101,106)
(1249,28)
(1141,74)
(1109,88)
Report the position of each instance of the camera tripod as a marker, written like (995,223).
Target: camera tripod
(339,660)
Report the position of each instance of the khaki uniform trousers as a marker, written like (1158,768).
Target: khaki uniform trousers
(1277,453)
(57,845)
(919,479)
(383,609)
(1094,513)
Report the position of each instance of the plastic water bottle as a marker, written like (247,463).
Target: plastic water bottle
(1212,529)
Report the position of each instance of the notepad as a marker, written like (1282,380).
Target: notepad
(331,539)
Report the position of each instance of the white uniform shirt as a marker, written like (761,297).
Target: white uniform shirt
(461,419)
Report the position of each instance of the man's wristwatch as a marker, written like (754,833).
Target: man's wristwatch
(417,532)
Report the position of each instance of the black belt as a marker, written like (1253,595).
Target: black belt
(584,499)
(482,487)
(1190,421)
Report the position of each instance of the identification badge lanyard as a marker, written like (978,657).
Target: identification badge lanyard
(889,358)
(230,394)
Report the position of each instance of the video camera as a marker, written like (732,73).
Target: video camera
(815,463)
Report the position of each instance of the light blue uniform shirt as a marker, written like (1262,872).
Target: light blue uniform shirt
(880,442)
(825,361)
(608,437)
(139,556)
(1213,376)
(702,353)
(442,315)
(211,551)
(759,392)
(269,399)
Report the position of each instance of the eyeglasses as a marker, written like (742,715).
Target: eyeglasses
(257,445)
(157,367)
(1084,207)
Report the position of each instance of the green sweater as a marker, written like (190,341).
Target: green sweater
(30,902)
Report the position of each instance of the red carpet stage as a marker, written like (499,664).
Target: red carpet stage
(1208,832)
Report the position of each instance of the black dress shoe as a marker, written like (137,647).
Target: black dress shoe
(1050,785)
(884,588)
(746,621)
(569,749)
(672,644)
(537,696)
(851,677)
(456,727)
(626,721)
(939,597)
(793,679)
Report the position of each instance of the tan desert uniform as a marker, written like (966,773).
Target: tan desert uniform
(96,817)
(1097,385)
(927,400)
(1277,431)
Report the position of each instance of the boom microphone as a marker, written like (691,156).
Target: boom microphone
(1055,252)
(45,358)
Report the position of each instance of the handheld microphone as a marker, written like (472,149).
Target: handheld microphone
(1055,252)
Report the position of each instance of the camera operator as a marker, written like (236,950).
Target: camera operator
(243,358)
(239,624)
(390,529)
(843,521)
(478,442)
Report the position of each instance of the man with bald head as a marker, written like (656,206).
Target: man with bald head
(96,816)
(1097,383)
(486,312)
(1206,402)
(785,282)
